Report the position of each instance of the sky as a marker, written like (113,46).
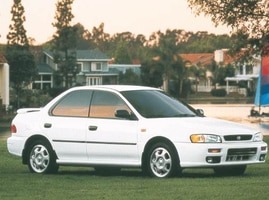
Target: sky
(136,16)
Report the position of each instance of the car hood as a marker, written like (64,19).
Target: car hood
(198,125)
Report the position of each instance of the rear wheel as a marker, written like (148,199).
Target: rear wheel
(161,161)
(230,170)
(41,158)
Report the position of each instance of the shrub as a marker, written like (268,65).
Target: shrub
(218,92)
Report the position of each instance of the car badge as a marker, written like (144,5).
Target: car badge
(238,137)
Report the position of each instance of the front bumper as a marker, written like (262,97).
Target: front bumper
(221,154)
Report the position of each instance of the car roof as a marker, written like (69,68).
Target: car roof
(119,88)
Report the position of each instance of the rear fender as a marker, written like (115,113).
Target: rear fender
(28,143)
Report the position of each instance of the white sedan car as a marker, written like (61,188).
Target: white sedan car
(130,126)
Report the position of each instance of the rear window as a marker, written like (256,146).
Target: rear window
(74,104)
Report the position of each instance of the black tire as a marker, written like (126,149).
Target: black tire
(230,170)
(41,158)
(161,161)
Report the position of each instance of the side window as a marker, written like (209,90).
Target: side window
(74,104)
(104,105)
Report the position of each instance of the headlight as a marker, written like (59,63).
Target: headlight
(258,137)
(205,138)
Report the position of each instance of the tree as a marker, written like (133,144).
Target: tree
(17,33)
(249,16)
(203,42)
(129,78)
(122,43)
(223,72)
(166,52)
(65,42)
(180,75)
(198,72)
(151,73)
(100,38)
(121,54)
(20,59)
(83,42)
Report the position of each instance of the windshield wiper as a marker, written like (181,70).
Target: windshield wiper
(184,115)
(169,116)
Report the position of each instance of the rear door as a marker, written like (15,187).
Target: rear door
(66,125)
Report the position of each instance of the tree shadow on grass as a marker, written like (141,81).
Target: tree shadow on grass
(137,172)
(101,172)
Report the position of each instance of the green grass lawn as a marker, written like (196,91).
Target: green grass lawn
(16,182)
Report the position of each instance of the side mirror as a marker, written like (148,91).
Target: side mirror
(125,115)
(200,112)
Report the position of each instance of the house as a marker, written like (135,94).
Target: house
(4,82)
(92,68)
(201,60)
(244,72)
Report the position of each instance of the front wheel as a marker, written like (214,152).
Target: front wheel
(161,161)
(41,158)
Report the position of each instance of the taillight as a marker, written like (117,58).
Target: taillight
(13,128)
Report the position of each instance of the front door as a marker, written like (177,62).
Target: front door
(111,140)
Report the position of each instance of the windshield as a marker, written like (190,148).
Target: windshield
(156,104)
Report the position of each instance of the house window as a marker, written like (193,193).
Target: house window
(43,81)
(46,78)
(79,67)
(249,69)
(97,66)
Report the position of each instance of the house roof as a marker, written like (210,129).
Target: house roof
(91,55)
(44,68)
(82,55)
(202,59)
(227,58)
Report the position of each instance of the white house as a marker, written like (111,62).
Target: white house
(4,82)
(244,72)
(247,72)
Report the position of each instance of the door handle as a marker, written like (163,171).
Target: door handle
(47,125)
(92,128)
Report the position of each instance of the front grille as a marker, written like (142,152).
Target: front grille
(241,154)
(237,137)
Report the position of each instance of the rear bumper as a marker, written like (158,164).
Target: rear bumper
(15,145)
